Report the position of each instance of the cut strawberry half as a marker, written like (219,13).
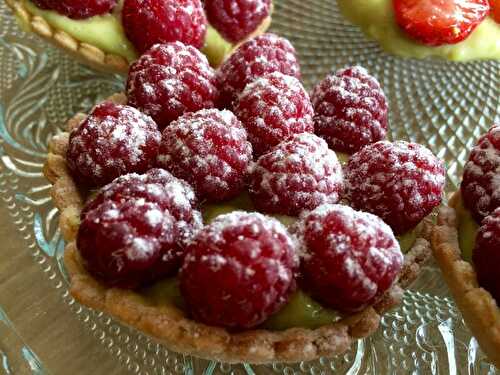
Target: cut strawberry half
(495,10)
(438,22)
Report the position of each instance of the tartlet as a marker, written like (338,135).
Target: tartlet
(99,58)
(478,307)
(408,33)
(171,326)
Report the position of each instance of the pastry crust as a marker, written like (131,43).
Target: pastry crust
(479,309)
(170,326)
(85,53)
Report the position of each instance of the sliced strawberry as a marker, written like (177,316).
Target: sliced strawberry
(438,22)
(495,10)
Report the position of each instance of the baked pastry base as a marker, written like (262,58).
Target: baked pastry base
(478,307)
(85,53)
(170,326)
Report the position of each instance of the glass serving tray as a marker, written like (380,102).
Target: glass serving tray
(445,106)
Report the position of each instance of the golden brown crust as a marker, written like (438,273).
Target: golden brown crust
(85,53)
(170,325)
(478,307)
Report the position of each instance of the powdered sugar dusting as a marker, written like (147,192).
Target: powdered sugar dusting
(348,250)
(169,80)
(299,174)
(350,110)
(401,182)
(209,149)
(265,54)
(481,182)
(272,108)
(111,141)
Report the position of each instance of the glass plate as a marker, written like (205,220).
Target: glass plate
(440,104)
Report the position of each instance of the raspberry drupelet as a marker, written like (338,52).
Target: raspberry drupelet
(400,182)
(350,110)
(112,141)
(237,19)
(349,258)
(77,9)
(297,175)
(209,149)
(135,229)
(148,22)
(486,255)
(481,182)
(264,54)
(170,80)
(272,108)
(238,271)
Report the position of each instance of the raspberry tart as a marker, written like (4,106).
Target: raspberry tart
(457,30)
(222,254)
(466,243)
(109,35)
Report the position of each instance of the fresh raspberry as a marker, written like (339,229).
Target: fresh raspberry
(299,174)
(272,108)
(238,270)
(264,54)
(170,80)
(148,22)
(237,19)
(350,110)
(401,182)
(495,10)
(350,258)
(481,182)
(129,244)
(77,9)
(113,140)
(486,255)
(161,188)
(209,149)
(438,22)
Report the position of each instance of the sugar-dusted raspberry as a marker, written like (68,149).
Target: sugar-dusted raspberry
(350,258)
(350,110)
(170,80)
(113,140)
(272,108)
(264,54)
(148,22)
(237,19)
(481,182)
(401,182)
(160,187)
(238,270)
(77,9)
(299,174)
(209,149)
(129,244)
(486,255)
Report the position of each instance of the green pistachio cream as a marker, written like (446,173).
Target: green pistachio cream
(106,32)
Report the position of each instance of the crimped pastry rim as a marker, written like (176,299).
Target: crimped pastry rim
(170,326)
(89,54)
(479,309)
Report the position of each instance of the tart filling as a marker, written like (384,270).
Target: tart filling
(377,20)
(100,41)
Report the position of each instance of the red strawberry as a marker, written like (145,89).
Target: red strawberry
(495,10)
(437,22)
